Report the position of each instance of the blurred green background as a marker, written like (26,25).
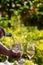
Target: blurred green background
(24,19)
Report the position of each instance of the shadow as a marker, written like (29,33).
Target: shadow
(34,21)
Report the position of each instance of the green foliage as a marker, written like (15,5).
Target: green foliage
(2,58)
(17,6)
(28,62)
(27,35)
(23,34)
(4,23)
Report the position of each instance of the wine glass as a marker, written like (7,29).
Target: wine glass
(30,50)
(16,47)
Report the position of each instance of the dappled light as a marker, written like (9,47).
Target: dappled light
(21,32)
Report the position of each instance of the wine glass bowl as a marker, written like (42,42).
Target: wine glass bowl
(17,48)
(30,50)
